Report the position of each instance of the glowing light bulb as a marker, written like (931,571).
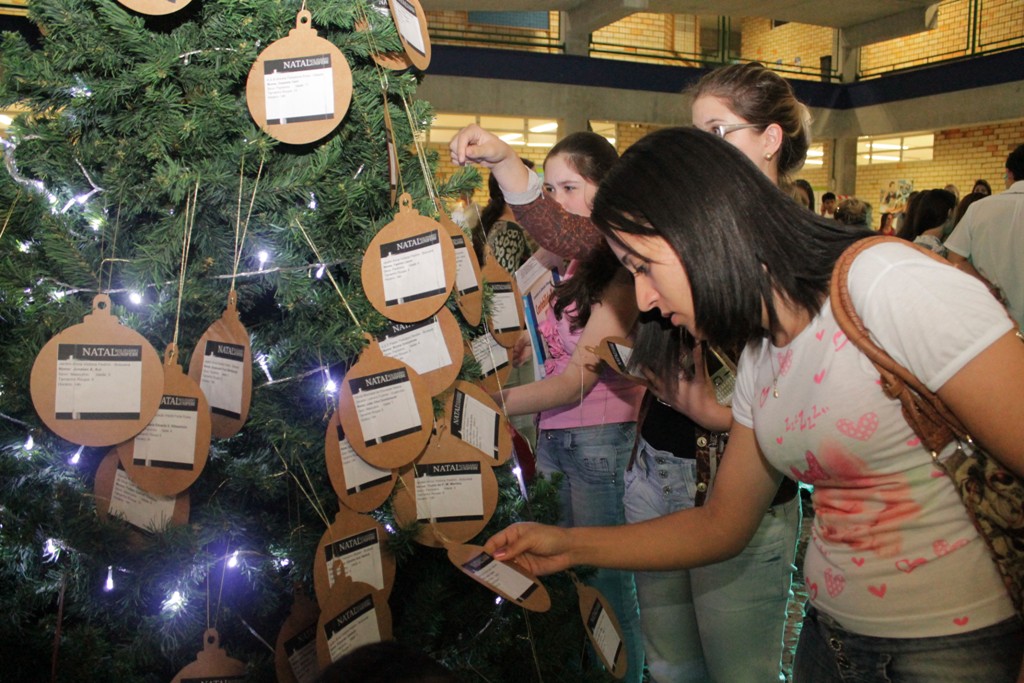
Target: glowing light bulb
(330,386)
(77,457)
(51,550)
(312,201)
(174,602)
(233,560)
(109,584)
(498,600)
(263,256)
(264,363)
(320,271)
(135,298)
(30,443)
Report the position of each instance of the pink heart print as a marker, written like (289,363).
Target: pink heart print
(785,362)
(943,548)
(814,472)
(961,621)
(818,377)
(839,340)
(812,590)
(878,591)
(834,583)
(764,395)
(907,566)
(819,334)
(862,431)
(859,561)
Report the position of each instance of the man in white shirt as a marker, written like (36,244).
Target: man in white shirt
(991,235)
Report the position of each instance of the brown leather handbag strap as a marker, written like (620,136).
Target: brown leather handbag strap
(929,417)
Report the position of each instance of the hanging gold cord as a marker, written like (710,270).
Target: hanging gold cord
(316,252)
(186,241)
(241,230)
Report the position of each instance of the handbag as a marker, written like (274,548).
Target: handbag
(993,496)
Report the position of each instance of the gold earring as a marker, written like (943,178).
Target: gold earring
(768,156)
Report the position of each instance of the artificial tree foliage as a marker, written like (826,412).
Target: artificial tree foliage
(125,118)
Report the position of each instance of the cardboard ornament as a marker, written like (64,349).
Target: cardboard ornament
(354,614)
(221,364)
(603,629)
(432,347)
(171,452)
(395,61)
(449,489)
(353,547)
(507,579)
(155,7)
(505,319)
(408,270)
(494,359)
(474,418)
(615,352)
(295,651)
(97,383)
(212,664)
(469,295)
(385,410)
(117,495)
(411,22)
(360,486)
(300,86)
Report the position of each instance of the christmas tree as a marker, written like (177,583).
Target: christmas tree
(135,129)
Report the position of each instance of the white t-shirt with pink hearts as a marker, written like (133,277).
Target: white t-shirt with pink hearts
(892,552)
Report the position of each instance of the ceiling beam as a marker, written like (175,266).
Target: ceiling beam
(896,26)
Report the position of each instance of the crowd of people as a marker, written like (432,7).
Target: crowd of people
(699,246)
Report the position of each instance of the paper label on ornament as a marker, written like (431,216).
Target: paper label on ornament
(605,636)
(491,355)
(499,575)
(138,507)
(299,89)
(449,492)
(359,474)
(385,406)
(620,354)
(504,312)
(409,25)
(412,268)
(352,628)
(358,557)
(223,376)
(381,7)
(98,382)
(169,440)
(419,345)
(465,278)
(475,423)
(300,650)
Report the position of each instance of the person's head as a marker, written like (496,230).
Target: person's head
(803,193)
(981,186)
(852,211)
(1015,166)
(710,240)
(828,202)
(574,168)
(932,208)
(385,662)
(961,208)
(954,189)
(778,130)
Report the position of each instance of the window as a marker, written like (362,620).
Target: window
(515,130)
(534,20)
(888,150)
(815,156)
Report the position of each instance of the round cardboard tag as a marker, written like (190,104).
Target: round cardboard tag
(474,418)
(212,663)
(221,364)
(97,383)
(171,452)
(353,614)
(155,7)
(360,486)
(432,347)
(353,547)
(505,319)
(469,295)
(300,86)
(118,496)
(384,410)
(295,650)
(411,21)
(603,629)
(395,61)
(449,489)
(615,352)
(409,268)
(494,359)
(507,579)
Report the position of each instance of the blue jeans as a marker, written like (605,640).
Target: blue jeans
(723,622)
(593,460)
(828,654)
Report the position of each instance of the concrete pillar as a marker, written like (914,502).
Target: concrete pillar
(844,165)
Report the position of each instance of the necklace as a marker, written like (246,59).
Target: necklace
(775,373)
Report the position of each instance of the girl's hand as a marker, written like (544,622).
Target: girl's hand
(538,548)
(521,350)
(694,397)
(474,145)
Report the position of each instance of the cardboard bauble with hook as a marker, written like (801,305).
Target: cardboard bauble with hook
(295,650)
(433,347)
(97,383)
(353,614)
(507,579)
(221,364)
(408,270)
(155,7)
(384,409)
(469,295)
(117,495)
(473,417)
(353,546)
(300,86)
(615,352)
(212,663)
(171,452)
(360,486)
(505,319)
(494,359)
(449,489)
(603,629)
(411,22)
(395,61)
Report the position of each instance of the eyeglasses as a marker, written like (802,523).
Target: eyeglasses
(724,129)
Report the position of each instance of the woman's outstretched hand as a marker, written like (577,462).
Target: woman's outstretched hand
(474,145)
(538,548)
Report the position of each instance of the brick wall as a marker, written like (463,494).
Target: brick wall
(947,40)
(797,46)
(451,23)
